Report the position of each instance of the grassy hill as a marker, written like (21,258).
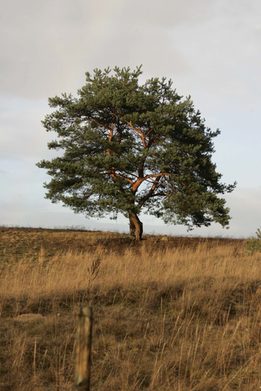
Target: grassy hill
(170,313)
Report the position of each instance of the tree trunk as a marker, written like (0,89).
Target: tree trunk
(132,229)
(136,226)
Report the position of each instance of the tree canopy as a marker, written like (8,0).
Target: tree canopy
(126,147)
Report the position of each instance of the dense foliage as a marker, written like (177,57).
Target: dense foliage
(129,147)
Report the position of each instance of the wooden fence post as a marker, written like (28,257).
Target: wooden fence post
(83,349)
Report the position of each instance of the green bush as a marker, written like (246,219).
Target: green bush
(254,244)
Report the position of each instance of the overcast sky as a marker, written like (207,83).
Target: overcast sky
(211,49)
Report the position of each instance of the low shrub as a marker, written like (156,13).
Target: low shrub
(253,245)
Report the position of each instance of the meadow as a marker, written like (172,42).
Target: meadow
(170,313)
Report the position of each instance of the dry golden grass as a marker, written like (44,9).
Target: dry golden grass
(167,317)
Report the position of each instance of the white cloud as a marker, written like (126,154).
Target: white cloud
(21,131)
(46,47)
(245,211)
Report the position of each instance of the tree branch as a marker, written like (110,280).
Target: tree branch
(114,175)
(140,180)
(140,133)
(151,193)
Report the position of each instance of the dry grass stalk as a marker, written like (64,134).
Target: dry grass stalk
(186,319)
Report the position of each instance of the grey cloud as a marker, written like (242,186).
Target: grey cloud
(168,13)
(40,45)
(47,46)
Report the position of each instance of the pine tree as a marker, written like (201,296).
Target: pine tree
(128,147)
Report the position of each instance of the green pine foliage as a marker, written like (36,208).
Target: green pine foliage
(127,147)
